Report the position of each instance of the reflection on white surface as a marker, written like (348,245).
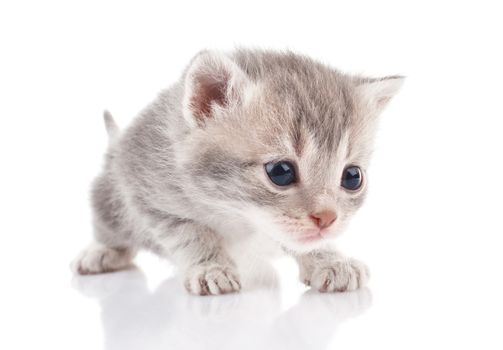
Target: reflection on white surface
(135,317)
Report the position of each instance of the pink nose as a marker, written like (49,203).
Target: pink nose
(324,218)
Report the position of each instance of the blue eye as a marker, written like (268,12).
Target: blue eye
(352,178)
(281,173)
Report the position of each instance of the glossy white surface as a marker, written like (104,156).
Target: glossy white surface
(147,308)
(134,316)
(430,231)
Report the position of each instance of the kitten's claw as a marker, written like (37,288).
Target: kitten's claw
(340,276)
(212,280)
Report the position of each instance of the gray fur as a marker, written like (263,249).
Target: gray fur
(110,125)
(186,179)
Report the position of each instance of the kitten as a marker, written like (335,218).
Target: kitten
(251,144)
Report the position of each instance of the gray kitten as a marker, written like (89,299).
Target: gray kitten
(252,149)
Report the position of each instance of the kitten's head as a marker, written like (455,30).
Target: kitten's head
(281,140)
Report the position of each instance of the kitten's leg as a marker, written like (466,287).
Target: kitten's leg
(329,271)
(99,258)
(113,248)
(198,251)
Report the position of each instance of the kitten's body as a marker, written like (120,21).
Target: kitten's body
(186,180)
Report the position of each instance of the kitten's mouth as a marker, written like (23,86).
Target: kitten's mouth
(313,235)
(310,238)
(304,234)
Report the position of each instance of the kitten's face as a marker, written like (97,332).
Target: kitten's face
(289,154)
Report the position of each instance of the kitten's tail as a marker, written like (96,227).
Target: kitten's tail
(111,126)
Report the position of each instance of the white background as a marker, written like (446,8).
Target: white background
(430,231)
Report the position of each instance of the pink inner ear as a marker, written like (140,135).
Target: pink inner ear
(383,101)
(206,91)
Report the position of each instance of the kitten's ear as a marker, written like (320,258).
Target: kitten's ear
(213,81)
(376,93)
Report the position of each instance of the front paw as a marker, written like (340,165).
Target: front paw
(340,276)
(212,279)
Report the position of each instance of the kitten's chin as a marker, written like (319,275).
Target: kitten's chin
(306,246)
